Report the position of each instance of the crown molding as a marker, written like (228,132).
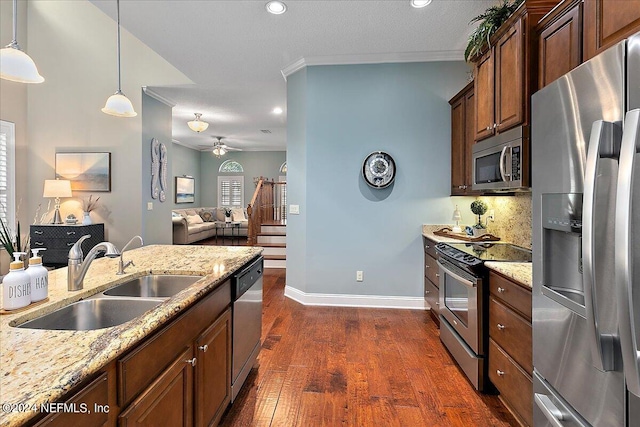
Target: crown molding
(158,97)
(373,58)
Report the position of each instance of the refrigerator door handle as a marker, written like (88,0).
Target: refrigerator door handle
(551,412)
(502,163)
(624,256)
(601,144)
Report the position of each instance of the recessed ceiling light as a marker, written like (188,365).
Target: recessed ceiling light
(276,7)
(277,110)
(420,3)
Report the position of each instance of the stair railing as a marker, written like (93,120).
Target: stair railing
(268,205)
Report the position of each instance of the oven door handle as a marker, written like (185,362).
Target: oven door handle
(459,278)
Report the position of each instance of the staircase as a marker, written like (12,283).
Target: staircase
(273,238)
(268,221)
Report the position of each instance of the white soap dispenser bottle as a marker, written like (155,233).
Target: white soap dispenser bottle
(39,277)
(16,286)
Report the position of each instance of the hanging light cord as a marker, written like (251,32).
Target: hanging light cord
(14,42)
(118,19)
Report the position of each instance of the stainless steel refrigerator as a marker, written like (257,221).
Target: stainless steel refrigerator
(586,250)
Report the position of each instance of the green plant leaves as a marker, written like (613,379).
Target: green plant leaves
(490,21)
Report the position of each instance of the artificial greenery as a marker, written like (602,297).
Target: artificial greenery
(479,208)
(491,19)
(9,241)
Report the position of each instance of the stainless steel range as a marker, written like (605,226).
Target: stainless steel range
(464,301)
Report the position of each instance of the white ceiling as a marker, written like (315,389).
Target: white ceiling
(234,52)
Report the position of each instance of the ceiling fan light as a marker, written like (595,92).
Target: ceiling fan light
(276,7)
(17,66)
(198,125)
(119,105)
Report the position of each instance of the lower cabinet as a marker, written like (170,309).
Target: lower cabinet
(431,279)
(510,345)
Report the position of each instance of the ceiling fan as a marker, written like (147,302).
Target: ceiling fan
(219,148)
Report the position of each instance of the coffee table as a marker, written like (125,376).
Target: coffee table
(235,231)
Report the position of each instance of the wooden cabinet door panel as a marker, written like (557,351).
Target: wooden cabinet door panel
(458,115)
(512,333)
(213,371)
(561,46)
(509,72)
(484,95)
(469,138)
(168,401)
(431,271)
(607,22)
(432,295)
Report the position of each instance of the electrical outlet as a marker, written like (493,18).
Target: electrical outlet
(359,276)
(491,215)
(294,209)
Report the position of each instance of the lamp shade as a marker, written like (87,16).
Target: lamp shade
(198,125)
(119,105)
(219,151)
(17,66)
(57,188)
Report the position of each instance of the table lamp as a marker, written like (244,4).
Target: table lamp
(57,188)
(456,217)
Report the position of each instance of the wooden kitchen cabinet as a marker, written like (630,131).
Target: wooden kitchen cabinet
(560,41)
(431,278)
(505,75)
(510,345)
(213,372)
(606,22)
(462,140)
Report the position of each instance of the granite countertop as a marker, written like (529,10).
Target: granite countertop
(519,271)
(40,366)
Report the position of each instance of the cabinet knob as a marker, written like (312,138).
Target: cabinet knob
(426,266)
(427,246)
(427,292)
(70,244)
(501,326)
(38,232)
(501,290)
(500,373)
(192,362)
(70,233)
(437,303)
(495,125)
(488,127)
(204,348)
(38,243)
(437,275)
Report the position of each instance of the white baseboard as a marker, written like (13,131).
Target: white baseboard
(370,301)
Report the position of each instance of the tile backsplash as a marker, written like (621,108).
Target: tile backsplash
(513,218)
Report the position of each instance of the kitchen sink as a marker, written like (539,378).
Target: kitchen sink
(93,313)
(153,286)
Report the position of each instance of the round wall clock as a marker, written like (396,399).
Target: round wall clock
(379,169)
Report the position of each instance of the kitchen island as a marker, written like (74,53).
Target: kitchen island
(42,366)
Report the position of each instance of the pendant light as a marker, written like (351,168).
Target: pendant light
(15,65)
(118,104)
(198,125)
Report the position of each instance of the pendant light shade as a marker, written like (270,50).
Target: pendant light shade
(198,125)
(219,151)
(118,104)
(15,65)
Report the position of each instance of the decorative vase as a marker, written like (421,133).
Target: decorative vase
(479,231)
(86,218)
(227,219)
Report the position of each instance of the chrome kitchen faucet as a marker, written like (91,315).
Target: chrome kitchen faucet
(78,266)
(121,264)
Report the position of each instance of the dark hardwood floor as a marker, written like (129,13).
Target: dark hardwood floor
(331,366)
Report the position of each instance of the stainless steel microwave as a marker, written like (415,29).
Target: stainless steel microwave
(501,163)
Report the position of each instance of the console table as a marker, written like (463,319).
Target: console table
(58,239)
(235,231)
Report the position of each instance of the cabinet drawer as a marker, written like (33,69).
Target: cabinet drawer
(96,398)
(515,386)
(429,247)
(140,367)
(431,294)
(512,332)
(431,270)
(512,294)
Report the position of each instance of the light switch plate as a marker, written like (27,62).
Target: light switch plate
(149,206)
(294,209)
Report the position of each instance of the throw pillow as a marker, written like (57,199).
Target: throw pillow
(194,219)
(237,214)
(207,215)
(220,214)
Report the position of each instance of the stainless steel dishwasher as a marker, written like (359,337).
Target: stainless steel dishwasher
(246,293)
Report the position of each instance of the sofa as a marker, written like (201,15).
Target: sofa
(194,224)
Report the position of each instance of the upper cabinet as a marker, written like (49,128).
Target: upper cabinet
(503,77)
(606,22)
(462,139)
(560,48)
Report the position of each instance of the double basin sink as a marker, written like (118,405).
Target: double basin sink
(117,305)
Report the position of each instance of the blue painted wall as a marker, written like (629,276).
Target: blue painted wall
(337,115)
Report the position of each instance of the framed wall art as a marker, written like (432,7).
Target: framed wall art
(185,189)
(86,171)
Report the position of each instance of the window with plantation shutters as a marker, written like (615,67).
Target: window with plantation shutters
(231,191)
(7,173)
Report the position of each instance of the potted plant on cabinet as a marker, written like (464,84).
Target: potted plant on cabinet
(491,20)
(478,207)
